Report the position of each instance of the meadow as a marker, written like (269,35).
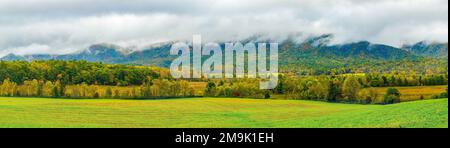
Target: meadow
(414,93)
(217,113)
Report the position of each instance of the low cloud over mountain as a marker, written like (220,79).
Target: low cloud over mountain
(65,26)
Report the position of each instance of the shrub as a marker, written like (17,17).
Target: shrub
(267,95)
(367,96)
(391,99)
(444,94)
(392,96)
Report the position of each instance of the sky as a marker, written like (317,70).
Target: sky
(65,26)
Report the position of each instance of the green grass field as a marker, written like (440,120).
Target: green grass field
(215,112)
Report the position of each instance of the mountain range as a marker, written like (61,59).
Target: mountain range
(309,53)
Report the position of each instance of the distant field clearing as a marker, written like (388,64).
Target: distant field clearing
(415,92)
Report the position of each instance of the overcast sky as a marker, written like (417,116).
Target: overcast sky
(63,26)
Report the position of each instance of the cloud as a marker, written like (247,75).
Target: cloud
(62,26)
(31,49)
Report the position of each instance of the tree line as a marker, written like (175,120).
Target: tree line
(353,88)
(350,88)
(80,79)
(156,88)
(78,72)
(244,88)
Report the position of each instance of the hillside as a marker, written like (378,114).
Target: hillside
(314,55)
(437,50)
